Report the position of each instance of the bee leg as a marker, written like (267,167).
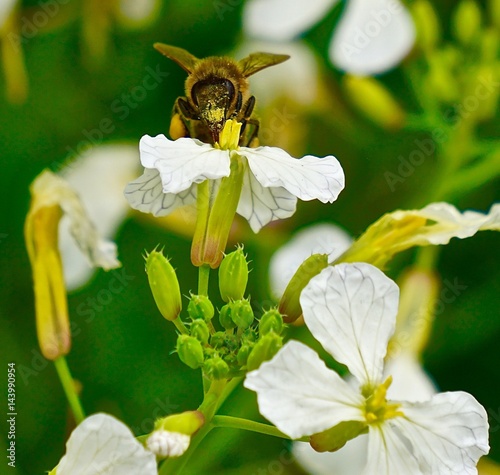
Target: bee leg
(182,114)
(249,135)
(237,107)
(249,106)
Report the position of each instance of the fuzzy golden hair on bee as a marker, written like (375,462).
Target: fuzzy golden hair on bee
(216,90)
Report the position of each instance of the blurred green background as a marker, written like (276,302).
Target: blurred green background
(122,357)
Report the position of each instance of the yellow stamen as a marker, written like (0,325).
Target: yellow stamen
(377,409)
(230,135)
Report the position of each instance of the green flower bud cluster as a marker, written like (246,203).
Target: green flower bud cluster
(242,345)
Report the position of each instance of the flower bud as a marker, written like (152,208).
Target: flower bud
(243,354)
(190,351)
(271,321)
(199,329)
(264,350)
(216,368)
(225,317)
(164,285)
(185,423)
(218,339)
(467,21)
(201,307)
(289,305)
(335,438)
(374,101)
(427,23)
(233,276)
(241,313)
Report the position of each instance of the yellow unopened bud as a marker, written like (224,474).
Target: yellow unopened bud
(427,23)
(373,100)
(467,21)
(185,423)
(289,305)
(164,285)
(335,438)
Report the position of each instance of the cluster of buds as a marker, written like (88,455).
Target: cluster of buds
(241,344)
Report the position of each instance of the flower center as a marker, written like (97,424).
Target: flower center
(230,136)
(377,409)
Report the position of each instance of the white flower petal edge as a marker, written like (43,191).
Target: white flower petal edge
(449,433)
(146,194)
(308,178)
(183,162)
(322,238)
(52,190)
(282,20)
(259,205)
(351,310)
(98,176)
(103,444)
(372,37)
(300,395)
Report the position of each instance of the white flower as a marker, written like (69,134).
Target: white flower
(351,310)
(323,238)
(98,177)
(102,444)
(165,443)
(371,37)
(272,182)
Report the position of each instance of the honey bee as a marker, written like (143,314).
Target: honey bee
(216,90)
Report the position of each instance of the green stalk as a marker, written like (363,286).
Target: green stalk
(69,389)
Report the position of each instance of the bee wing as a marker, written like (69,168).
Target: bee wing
(182,57)
(257,61)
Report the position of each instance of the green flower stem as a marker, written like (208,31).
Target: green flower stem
(203,278)
(179,324)
(427,257)
(231,422)
(69,388)
(175,465)
(210,402)
(473,177)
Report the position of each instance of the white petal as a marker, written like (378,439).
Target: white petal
(349,460)
(49,189)
(281,20)
(98,176)
(372,36)
(146,194)
(492,219)
(259,205)
(410,381)
(183,162)
(300,395)
(307,178)
(448,434)
(323,238)
(388,453)
(102,444)
(168,444)
(351,310)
